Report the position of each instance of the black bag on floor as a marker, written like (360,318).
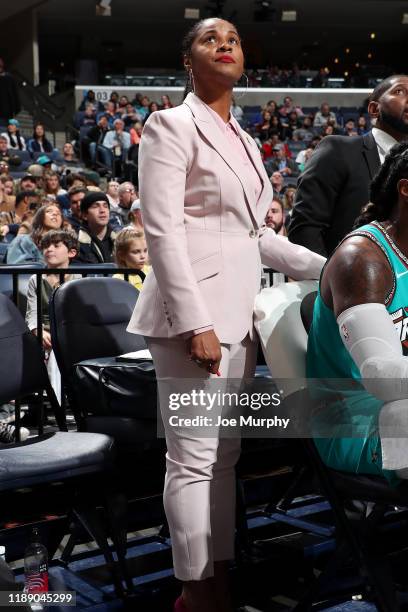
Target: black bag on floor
(110,386)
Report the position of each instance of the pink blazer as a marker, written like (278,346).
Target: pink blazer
(205,233)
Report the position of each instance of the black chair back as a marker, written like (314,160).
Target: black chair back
(22,368)
(89,318)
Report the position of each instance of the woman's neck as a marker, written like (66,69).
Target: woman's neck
(219,102)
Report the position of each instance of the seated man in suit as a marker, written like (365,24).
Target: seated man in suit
(334,185)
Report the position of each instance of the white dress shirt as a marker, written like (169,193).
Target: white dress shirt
(383,141)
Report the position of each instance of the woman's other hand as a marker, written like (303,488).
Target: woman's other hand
(205,350)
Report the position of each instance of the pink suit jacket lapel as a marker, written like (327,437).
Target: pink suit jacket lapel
(212,134)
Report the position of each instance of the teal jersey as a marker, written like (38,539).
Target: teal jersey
(328,358)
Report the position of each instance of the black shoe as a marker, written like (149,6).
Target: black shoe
(8,433)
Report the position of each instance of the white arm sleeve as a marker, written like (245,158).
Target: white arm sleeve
(369,334)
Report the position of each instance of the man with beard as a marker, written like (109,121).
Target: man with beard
(334,185)
(275,217)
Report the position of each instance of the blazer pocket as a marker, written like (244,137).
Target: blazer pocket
(207,267)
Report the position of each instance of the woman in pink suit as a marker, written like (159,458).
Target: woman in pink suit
(204,195)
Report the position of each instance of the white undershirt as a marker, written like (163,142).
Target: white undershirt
(383,141)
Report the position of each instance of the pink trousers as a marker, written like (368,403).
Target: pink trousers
(199,492)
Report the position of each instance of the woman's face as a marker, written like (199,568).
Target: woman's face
(216,54)
(153,107)
(8,187)
(52,218)
(39,130)
(52,184)
(165,99)
(267,116)
(11,128)
(123,101)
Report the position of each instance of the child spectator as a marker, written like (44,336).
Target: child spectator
(58,247)
(131,252)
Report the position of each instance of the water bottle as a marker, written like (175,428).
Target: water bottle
(36,565)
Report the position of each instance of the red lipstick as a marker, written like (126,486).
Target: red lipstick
(226,59)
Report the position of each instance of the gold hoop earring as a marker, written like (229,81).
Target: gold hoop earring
(239,96)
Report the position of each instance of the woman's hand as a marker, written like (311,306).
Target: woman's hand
(205,350)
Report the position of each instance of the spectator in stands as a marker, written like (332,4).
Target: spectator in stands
(289,125)
(237,111)
(68,155)
(59,247)
(10,221)
(90,99)
(114,98)
(306,131)
(334,185)
(116,143)
(362,126)
(110,113)
(277,182)
(25,247)
(275,218)
(166,102)
(264,126)
(136,133)
(28,183)
(289,199)
(122,104)
(7,200)
(350,128)
(127,195)
(131,252)
(89,118)
(143,109)
(152,108)
(321,78)
(14,139)
(39,143)
(135,216)
(327,130)
(282,163)
(288,107)
(73,214)
(8,184)
(96,238)
(75,179)
(130,115)
(9,98)
(113,194)
(96,135)
(323,115)
(52,185)
(4,150)
(272,107)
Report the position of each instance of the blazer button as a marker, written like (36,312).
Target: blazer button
(253,233)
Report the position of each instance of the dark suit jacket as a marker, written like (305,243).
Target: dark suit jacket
(332,190)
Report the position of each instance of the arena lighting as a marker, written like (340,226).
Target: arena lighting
(289,15)
(404,19)
(372,35)
(191,13)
